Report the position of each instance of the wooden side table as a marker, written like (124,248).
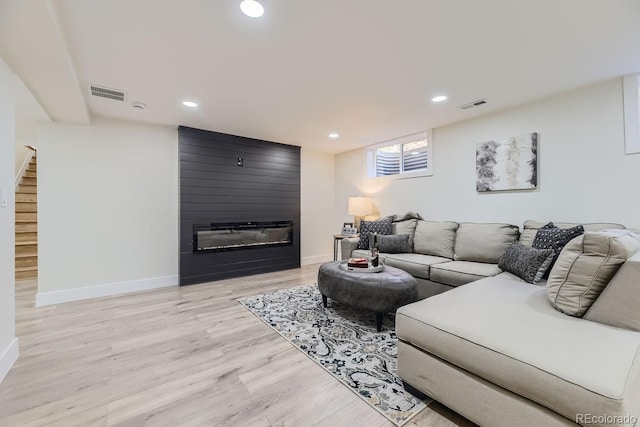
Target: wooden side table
(336,238)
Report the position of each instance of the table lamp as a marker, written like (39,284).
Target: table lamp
(359,207)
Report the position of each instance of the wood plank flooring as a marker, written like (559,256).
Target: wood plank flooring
(190,356)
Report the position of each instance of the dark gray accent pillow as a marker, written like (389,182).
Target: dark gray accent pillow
(527,263)
(552,237)
(394,244)
(381,226)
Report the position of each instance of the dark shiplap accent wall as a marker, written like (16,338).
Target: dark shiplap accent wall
(213,188)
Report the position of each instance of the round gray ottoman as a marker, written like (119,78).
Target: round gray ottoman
(381,292)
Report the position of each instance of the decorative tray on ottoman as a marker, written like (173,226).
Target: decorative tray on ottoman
(345,265)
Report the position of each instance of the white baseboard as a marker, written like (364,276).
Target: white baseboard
(316,259)
(8,358)
(76,294)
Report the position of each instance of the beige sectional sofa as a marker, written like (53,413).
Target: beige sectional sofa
(502,352)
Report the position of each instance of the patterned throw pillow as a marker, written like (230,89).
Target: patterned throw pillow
(527,263)
(555,238)
(381,226)
(393,244)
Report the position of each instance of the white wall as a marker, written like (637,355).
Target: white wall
(583,176)
(8,341)
(29,114)
(317,188)
(108,209)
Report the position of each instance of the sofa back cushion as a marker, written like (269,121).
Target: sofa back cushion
(618,303)
(404,227)
(585,267)
(435,238)
(530,228)
(483,242)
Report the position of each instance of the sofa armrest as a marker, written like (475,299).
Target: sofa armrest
(347,246)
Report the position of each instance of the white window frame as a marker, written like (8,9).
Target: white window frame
(371,157)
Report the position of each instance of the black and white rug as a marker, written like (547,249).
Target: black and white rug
(343,341)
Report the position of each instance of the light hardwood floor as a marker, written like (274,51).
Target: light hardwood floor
(188,356)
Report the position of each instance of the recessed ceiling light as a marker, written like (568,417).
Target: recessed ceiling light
(439,98)
(334,135)
(190,104)
(252,8)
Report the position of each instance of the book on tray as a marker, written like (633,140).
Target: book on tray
(358,262)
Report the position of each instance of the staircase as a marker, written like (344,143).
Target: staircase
(27,224)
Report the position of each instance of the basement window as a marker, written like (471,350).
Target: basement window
(407,157)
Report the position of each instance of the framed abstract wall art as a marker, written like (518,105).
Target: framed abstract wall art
(510,164)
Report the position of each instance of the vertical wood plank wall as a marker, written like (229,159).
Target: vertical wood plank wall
(213,188)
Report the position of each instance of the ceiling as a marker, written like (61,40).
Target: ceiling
(366,69)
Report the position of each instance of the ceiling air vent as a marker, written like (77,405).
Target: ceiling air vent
(473,104)
(104,92)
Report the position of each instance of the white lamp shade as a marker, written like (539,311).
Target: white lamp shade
(360,206)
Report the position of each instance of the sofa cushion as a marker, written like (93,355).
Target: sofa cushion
(530,228)
(417,265)
(394,243)
(435,238)
(618,303)
(404,227)
(585,267)
(380,226)
(483,242)
(508,334)
(525,262)
(456,273)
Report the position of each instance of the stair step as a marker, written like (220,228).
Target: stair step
(24,189)
(32,273)
(26,227)
(26,216)
(26,249)
(29,181)
(27,261)
(26,236)
(26,197)
(29,173)
(26,254)
(26,242)
(26,207)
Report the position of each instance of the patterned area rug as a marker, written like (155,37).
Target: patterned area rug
(343,341)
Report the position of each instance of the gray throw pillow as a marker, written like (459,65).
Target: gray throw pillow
(552,237)
(393,244)
(381,226)
(527,263)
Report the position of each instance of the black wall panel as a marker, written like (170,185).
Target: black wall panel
(213,188)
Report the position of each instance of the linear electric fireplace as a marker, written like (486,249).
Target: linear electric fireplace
(241,235)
